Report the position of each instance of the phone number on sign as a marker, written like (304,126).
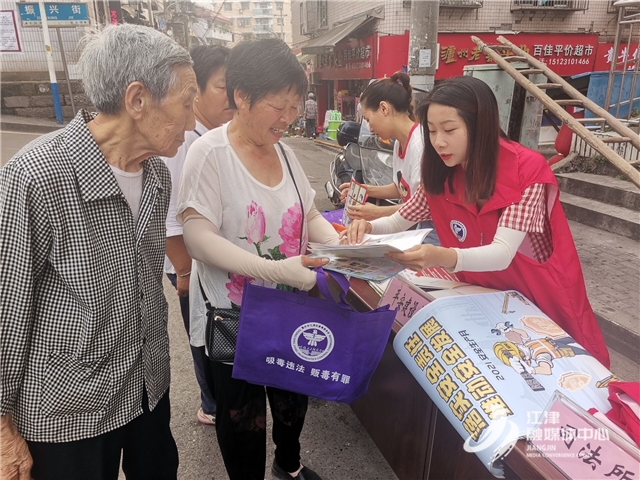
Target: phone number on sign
(565,61)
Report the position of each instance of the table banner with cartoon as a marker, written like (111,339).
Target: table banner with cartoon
(488,361)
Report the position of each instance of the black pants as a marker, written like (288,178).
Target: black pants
(148,450)
(310,127)
(241,425)
(201,363)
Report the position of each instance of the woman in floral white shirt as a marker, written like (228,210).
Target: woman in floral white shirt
(248,211)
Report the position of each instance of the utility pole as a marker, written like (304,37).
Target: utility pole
(423,45)
(52,69)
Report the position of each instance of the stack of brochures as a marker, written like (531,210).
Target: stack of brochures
(366,260)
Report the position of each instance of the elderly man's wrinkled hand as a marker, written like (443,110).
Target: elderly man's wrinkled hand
(15,459)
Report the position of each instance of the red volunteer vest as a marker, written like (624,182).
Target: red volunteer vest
(556,286)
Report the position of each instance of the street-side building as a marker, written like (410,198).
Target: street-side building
(26,88)
(251,20)
(347,43)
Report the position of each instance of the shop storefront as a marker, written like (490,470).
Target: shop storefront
(344,73)
(348,59)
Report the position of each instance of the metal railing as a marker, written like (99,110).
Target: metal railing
(568,5)
(262,11)
(461,4)
(613,9)
(624,73)
(624,149)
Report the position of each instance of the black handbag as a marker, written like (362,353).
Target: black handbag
(221,332)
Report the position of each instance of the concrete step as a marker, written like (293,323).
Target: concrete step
(611,218)
(613,191)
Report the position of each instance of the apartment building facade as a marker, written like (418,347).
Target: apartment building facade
(254,20)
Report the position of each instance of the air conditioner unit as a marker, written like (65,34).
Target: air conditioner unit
(303,28)
(314,78)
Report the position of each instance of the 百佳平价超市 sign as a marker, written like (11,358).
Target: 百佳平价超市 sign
(564,53)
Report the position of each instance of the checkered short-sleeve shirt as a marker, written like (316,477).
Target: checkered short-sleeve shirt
(529,215)
(83,322)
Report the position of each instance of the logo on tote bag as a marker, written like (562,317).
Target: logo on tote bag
(312,342)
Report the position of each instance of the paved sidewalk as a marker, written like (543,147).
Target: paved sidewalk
(611,267)
(15,123)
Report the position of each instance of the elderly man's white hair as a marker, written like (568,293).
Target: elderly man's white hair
(119,55)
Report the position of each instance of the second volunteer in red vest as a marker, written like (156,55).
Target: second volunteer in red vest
(386,106)
(496,208)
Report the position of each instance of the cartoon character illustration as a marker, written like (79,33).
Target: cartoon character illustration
(508,351)
(403,187)
(536,356)
(515,335)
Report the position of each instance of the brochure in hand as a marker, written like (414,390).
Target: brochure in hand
(366,260)
(357,195)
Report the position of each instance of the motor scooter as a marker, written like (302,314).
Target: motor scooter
(364,157)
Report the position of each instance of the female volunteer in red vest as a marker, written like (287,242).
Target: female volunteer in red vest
(386,106)
(495,206)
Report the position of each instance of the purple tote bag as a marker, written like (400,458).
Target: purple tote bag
(321,348)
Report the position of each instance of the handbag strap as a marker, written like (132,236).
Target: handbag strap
(204,295)
(286,159)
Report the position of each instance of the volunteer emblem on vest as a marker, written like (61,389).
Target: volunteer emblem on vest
(312,342)
(459,230)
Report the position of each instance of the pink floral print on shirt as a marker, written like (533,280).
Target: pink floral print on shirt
(256,224)
(290,231)
(236,287)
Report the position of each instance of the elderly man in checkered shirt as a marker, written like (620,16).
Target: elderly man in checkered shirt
(84,368)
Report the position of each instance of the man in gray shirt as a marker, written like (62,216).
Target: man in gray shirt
(310,116)
(84,347)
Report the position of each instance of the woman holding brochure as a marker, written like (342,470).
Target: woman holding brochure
(496,208)
(386,106)
(247,210)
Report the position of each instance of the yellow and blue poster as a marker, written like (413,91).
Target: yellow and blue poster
(492,362)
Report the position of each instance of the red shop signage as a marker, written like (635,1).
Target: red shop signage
(564,53)
(349,60)
(605,56)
